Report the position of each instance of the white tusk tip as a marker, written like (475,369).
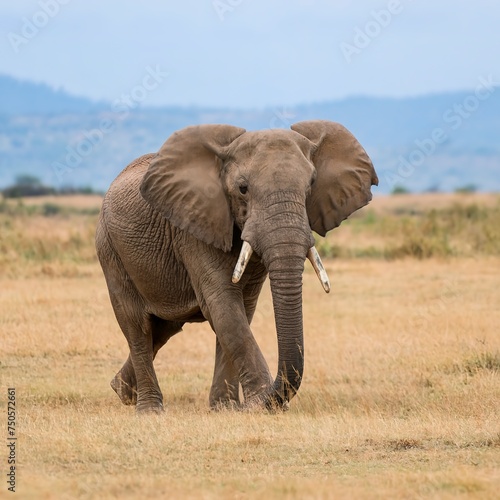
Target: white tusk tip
(315,259)
(239,269)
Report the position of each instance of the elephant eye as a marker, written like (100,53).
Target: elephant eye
(243,189)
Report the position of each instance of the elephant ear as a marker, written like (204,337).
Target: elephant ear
(183,182)
(345,174)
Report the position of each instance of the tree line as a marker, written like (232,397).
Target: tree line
(30,185)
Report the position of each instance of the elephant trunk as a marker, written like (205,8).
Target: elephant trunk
(283,247)
(286,288)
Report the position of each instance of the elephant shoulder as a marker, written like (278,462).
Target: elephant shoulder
(123,199)
(125,187)
(134,171)
(139,165)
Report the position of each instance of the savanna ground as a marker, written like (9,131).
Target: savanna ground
(401,393)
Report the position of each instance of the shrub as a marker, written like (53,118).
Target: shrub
(468,188)
(399,190)
(49,209)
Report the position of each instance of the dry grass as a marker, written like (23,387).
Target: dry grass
(426,201)
(401,395)
(421,226)
(79,201)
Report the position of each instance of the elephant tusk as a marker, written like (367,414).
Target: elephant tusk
(315,259)
(245,254)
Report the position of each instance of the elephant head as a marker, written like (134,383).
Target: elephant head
(276,186)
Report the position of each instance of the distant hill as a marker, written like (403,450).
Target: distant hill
(434,142)
(25,97)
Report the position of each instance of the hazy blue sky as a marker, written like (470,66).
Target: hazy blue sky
(251,52)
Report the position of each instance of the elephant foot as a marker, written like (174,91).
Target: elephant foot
(126,390)
(273,406)
(149,408)
(225,405)
(265,403)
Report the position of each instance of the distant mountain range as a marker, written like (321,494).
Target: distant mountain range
(433,142)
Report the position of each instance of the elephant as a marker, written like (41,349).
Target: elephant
(189,234)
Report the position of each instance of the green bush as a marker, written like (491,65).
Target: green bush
(49,209)
(399,190)
(468,188)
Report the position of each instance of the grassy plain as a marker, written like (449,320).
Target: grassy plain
(401,394)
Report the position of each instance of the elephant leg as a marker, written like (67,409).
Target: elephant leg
(225,384)
(224,392)
(138,327)
(125,383)
(140,339)
(136,382)
(222,303)
(239,347)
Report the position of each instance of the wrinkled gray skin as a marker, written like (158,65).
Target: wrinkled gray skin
(171,229)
